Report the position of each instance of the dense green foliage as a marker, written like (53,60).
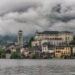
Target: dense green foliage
(73,41)
(2,53)
(15,55)
(8,51)
(73,55)
(30,41)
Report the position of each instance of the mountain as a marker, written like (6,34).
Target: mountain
(11,38)
(8,37)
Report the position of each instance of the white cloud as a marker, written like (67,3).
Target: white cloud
(32,15)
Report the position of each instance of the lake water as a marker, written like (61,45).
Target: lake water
(37,67)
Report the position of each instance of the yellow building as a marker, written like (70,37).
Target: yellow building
(62,51)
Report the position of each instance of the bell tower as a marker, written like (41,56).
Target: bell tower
(20,38)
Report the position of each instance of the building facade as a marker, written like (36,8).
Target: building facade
(20,38)
(62,51)
(53,37)
(47,48)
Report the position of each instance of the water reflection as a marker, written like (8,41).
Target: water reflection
(37,67)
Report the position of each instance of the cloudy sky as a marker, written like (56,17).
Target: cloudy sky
(36,15)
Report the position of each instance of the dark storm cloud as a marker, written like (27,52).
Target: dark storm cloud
(32,15)
(59,16)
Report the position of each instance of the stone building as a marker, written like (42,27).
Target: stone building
(53,37)
(30,51)
(20,38)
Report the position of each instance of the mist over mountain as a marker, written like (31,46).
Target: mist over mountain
(13,38)
(8,37)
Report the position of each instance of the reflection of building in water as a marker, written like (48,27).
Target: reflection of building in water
(20,38)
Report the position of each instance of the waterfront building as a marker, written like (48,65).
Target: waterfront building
(53,37)
(36,43)
(30,51)
(47,48)
(62,51)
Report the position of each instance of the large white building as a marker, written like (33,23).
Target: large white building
(53,37)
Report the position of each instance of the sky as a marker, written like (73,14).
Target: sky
(36,15)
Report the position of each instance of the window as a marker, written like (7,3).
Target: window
(67,38)
(58,51)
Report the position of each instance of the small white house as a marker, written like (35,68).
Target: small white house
(46,47)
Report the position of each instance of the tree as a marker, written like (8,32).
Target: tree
(62,56)
(73,54)
(15,55)
(30,41)
(8,51)
(73,41)
(2,53)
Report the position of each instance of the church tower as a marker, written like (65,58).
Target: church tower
(20,38)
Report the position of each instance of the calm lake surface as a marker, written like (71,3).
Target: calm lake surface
(37,67)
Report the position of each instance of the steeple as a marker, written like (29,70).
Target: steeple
(20,37)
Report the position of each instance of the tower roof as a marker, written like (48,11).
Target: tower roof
(20,31)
